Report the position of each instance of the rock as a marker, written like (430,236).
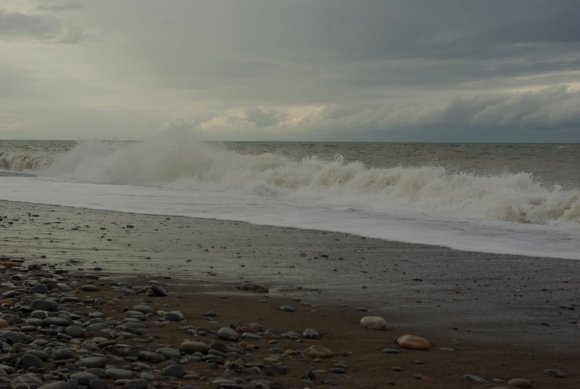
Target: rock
(151,356)
(475,378)
(390,350)
(311,333)
(55,385)
(94,362)
(4,323)
(374,323)
(44,305)
(413,342)
(98,383)
(89,288)
(253,287)
(143,308)
(190,347)
(319,352)
(556,373)
(83,377)
(118,374)
(30,361)
(520,382)
(287,308)
(158,291)
(27,380)
(175,370)
(169,352)
(75,331)
(136,384)
(228,333)
(173,316)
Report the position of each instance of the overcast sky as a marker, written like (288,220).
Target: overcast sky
(359,70)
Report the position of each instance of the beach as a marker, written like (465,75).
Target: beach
(487,315)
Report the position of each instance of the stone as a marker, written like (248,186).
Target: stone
(287,308)
(30,361)
(520,382)
(4,323)
(55,385)
(169,352)
(173,316)
(94,362)
(413,342)
(191,346)
(143,308)
(98,383)
(83,377)
(175,370)
(118,374)
(319,351)
(228,333)
(136,384)
(311,333)
(374,323)
(253,287)
(556,373)
(75,331)
(475,378)
(89,288)
(158,291)
(44,305)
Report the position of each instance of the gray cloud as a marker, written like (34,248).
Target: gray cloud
(549,113)
(305,69)
(16,25)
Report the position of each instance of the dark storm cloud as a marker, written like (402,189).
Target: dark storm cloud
(310,69)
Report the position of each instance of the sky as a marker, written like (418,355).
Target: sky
(312,70)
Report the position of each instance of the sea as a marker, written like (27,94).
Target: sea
(519,199)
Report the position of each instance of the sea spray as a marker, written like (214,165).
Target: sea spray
(178,162)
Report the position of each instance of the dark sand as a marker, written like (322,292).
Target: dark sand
(506,316)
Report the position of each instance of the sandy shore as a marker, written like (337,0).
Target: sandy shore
(504,316)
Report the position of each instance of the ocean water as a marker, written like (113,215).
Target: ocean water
(501,198)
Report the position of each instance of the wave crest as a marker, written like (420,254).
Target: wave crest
(186,164)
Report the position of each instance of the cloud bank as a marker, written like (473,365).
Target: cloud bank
(442,70)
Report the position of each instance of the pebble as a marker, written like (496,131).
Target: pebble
(176,371)
(319,352)
(44,305)
(118,374)
(253,287)
(228,333)
(74,331)
(311,333)
(374,323)
(556,373)
(475,378)
(413,342)
(190,347)
(173,316)
(89,288)
(287,308)
(520,382)
(158,291)
(93,362)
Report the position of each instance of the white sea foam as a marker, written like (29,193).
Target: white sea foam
(178,162)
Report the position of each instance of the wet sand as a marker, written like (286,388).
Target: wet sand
(505,316)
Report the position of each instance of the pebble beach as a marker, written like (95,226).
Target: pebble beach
(98,299)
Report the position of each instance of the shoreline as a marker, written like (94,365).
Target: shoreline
(401,280)
(484,306)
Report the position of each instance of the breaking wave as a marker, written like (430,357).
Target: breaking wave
(25,161)
(179,162)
